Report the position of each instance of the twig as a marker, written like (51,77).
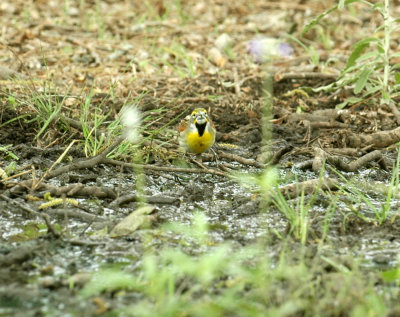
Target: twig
(86,163)
(142,26)
(157,199)
(319,159)
(18,204)
(278,154)
(86,243)
(73,123)
(236,82)
(164,169)
(239,159)
(395,111)
(328,125)
(198,163)
(50,227)
(79,189)
(284,6)
(15,176)
(68,190)
(60,158)
(79,214)
(304,75)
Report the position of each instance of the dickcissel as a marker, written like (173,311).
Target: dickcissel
(197,132)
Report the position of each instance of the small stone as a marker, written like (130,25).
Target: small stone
(216,57)
(223,41)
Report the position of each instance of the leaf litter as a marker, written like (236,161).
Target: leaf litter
(168,59)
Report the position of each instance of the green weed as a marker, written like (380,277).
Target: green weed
(47,105)
(360,203)
(91,122)
(297,215)
(313,54)
(368,67)
(8,154)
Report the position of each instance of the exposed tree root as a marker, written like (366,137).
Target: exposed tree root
(378,140)
(308,187)
(156,199)
(359,163)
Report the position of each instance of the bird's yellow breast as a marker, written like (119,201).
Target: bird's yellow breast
(199,144)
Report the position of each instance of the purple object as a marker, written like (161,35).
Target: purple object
(266,48)
(285,49)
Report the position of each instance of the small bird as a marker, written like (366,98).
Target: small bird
(197,132)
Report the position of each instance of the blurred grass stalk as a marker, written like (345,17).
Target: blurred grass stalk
(386,46)
(296,213)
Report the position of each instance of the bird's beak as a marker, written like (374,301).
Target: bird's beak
(201,119)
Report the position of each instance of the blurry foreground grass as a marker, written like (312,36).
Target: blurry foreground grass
(248,281)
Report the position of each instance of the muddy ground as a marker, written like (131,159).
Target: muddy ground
(161,57)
